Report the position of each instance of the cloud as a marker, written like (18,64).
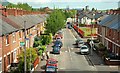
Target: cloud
(27,1)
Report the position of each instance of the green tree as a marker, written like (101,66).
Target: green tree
(30,54)
(24,6)
(55,21)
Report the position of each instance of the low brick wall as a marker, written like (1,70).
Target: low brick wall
(112,62)
(36,62)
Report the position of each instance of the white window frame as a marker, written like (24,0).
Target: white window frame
(14,37)
(14,55)
(6,40)
(20,34)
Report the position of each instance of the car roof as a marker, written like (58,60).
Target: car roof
(49,66)
(52,59)
(83,46)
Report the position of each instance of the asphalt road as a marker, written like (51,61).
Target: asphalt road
(70,59)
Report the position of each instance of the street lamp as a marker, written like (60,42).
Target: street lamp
(30,52)
(91,42)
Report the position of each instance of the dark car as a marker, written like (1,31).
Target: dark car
(56,49)
(58,43)
(79,42)
(51,69)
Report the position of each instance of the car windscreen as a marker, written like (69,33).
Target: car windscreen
(83,47)
(52,62)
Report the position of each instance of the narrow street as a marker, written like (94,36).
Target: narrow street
(70,59)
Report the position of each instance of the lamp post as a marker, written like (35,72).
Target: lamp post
(91,42)
(25,47)
(30,52)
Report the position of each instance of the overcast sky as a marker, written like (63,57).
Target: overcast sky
(99,4)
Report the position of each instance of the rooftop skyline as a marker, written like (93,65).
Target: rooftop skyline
(98,4)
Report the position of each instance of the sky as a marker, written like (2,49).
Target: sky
(97,4)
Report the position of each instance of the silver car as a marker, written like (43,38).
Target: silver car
(84,49)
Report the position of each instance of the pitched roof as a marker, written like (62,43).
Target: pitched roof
(98,15)
(111,21)
(31,20)
(6,28)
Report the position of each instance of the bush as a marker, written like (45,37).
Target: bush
(40,52)
(46,39)
(43,48)
(82,25)
(101,47)
(37,43)
(88,40)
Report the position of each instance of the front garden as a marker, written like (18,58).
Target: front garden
(87,31)
(107,55)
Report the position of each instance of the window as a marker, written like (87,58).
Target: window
(20,35)
(8,57)
(0,65)
(14,54)
(14,37)
(7,39)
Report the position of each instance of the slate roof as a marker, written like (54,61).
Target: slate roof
(31,20)
(13,23)
(98,15)
(6,28)
(111,21)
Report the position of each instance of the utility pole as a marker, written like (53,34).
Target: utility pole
(91,42)
(25,47)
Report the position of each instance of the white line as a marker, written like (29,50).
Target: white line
(72,35)
(69,50)
(62,68)
(71,58)
(66,51)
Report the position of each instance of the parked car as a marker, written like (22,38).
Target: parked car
(51,69)
(56,49)
(84,49)
(51,62)
(58,43)
(79,42)
(69,26)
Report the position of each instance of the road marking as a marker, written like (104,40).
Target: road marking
(71,58)
(66,51)
(72,35)
(62,68)
(69,50)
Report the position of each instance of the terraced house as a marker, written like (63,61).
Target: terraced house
(109,34)
(12,25)
(108,30)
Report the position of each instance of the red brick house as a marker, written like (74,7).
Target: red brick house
(109,33)
(13,21)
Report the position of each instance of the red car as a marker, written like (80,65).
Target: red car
(51,62)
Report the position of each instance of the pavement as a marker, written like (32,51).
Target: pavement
(94,58)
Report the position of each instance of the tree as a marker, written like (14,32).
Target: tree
(55,21)
(24,6)
(93,9)
(30,54)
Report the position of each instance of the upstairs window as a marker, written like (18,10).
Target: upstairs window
(7,39)
(20,35)
(14,39)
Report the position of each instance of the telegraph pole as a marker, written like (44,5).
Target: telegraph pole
(25,47)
